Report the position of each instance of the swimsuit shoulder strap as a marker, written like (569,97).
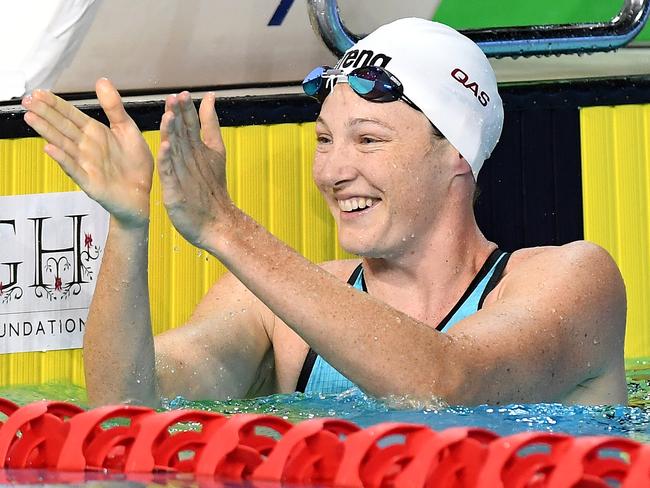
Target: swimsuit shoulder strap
(494,279)
(357,280)
(487,267)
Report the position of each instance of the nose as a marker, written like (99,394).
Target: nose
(335,167)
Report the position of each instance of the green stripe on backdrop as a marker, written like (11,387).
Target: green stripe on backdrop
(467,14)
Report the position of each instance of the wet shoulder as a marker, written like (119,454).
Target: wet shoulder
(538,263)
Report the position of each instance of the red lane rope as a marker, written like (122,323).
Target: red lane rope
(140,442)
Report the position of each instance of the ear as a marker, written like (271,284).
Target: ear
(460,166)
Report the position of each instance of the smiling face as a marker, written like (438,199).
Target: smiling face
(382,173)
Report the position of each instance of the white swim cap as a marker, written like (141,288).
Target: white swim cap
(445,74)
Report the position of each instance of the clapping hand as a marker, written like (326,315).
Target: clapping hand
(192,167)
(113,165)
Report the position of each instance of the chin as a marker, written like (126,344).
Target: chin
(362,248)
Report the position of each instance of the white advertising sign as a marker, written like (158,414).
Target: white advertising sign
(51,247)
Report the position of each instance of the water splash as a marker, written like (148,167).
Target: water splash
(631,421)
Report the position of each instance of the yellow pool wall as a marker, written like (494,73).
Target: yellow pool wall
(269,177)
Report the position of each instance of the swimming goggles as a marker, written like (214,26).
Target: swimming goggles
(372,83)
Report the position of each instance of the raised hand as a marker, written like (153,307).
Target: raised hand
(193,169)
(113,165)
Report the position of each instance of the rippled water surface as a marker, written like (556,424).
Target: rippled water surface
(632,421)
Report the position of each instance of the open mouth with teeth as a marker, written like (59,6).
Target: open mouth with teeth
(357,204)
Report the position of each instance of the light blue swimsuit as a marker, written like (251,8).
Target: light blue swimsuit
(319,376)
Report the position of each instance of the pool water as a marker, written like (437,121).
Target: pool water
(632,421)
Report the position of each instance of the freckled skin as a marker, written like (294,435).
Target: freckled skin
(552,330)
(398,162)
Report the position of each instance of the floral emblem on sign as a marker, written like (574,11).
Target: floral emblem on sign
(62,258)
(64,275)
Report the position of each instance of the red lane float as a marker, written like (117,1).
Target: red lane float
(89,446)
(32,435)
(140,443)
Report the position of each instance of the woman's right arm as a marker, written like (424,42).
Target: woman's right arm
(114,166)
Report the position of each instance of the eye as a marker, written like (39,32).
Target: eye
(323,139)
(368,140)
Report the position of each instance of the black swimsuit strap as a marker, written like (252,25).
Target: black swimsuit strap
(308,365)
(355,276)
(306,370)
(485,269)
(494,279)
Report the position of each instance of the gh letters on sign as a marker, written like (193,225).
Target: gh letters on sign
(50,251)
